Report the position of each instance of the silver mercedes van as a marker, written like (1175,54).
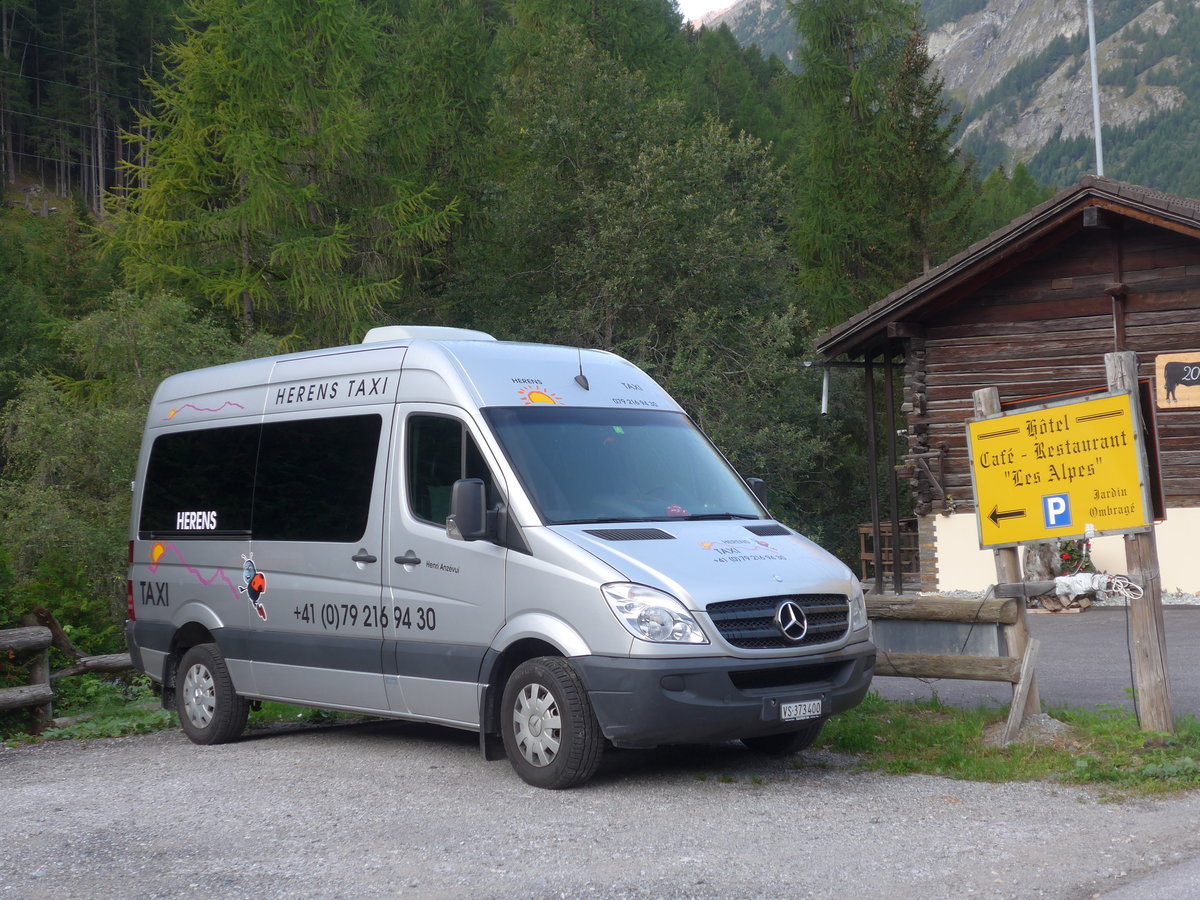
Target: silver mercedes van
(531,542)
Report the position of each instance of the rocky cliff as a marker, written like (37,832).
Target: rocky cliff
(1019,70)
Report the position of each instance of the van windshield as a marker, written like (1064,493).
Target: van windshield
(582,465)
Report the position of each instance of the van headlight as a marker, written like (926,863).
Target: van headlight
(858,606)
(652,615)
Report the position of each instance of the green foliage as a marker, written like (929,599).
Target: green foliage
(611,215)
(642,35)
(880,195)
(1001,199)
(269,183)
(738,86)
(1075,557)
(70,441)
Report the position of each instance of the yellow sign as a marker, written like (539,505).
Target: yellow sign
(1061,471)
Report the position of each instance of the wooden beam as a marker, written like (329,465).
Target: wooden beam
(25,640)
(1022,589)
(986,403)
(931,665)
(1151,680)
(943,609)
(1012,728)
(111,662)
(25,695)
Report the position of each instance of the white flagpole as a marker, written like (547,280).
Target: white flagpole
(1095,91)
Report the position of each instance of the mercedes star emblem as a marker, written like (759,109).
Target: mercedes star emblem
(791,621)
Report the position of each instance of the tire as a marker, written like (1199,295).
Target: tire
(210,711)
(550,731)
(785,743)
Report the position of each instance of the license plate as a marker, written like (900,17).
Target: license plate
(800,710)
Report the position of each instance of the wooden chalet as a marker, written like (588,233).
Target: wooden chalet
(1032,309)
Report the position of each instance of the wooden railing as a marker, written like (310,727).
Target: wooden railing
(1002,609)
(38,633)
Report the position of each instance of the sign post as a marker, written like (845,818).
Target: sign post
(1072,470)
(1151,682)
(1008,571)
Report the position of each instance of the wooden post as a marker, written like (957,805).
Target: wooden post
(1008,571)
(1150,680)
(39,674)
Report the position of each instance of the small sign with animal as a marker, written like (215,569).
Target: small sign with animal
(1177,376)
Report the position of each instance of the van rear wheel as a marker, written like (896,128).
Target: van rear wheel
(787,742)
(549,728)
(210,711)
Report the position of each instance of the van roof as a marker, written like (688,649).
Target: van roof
(471,372)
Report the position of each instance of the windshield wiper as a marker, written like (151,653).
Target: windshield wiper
(725,515)
(609,521)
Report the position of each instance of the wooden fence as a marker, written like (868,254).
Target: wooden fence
(1005,612)
(37,634)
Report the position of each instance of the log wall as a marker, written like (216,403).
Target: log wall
(1043,329)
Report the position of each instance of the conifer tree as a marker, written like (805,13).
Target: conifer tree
(270,184)
(878,189)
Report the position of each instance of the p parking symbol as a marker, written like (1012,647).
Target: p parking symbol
(1056,510)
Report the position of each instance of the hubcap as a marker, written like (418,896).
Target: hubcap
(199,696)
(537,725)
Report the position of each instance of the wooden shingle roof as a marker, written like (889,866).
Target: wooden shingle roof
(877,328)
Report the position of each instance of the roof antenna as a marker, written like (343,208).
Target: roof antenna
(581,379)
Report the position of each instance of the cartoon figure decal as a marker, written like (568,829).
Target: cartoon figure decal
(254,582)
(255,586)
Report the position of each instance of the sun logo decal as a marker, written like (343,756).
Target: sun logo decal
(532,395)
(255,586)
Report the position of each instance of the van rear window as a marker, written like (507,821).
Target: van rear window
(300,480)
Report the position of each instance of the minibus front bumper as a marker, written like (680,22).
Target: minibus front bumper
(645,702)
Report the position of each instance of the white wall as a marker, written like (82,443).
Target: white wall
(962,566)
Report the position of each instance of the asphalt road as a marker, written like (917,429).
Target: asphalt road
(1083,660)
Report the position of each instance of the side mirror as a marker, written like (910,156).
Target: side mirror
(758,488)
(468,510)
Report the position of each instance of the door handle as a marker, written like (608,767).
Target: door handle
(411,559)
(362,556)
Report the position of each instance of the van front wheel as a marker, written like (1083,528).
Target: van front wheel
(550,731)
(210,711)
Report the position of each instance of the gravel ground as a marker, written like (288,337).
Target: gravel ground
(387,809)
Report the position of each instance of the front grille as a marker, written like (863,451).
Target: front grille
(750,624)
(794,676)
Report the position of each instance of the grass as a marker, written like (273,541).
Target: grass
(1102,747)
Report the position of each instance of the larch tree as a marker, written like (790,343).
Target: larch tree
(267,182)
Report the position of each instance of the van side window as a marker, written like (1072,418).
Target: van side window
(314,479)
(200,482)
(438,452)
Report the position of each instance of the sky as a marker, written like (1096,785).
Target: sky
(694,9)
